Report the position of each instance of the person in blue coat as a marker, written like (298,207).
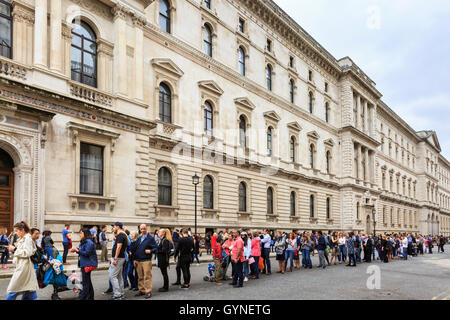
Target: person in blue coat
(87,261)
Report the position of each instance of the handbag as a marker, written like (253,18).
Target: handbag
(251,260)
(261,263)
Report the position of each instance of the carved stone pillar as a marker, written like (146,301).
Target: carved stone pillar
(358,112)
(139,23)
(66,32)
(365,119)
(120,49)
(55,35)
(23,20)
(360,169)
(366,163)
(40,33)
(105,51)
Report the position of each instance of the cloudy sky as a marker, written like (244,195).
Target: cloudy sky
(403,45)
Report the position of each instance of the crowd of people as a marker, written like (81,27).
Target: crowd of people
(248,252)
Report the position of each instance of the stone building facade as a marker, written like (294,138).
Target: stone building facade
(108,108)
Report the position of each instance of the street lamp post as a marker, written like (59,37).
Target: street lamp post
(195,182)
(374,221)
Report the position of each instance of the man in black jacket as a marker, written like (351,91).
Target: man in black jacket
(184,254)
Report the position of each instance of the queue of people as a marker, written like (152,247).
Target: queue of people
(248,253)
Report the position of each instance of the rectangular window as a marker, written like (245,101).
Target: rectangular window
(291,61)
(241,25)
(269,45)
(91,169)
(310,75)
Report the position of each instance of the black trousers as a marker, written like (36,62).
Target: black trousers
(185,265)
(178,270)
(165,277)
(66,251)
(88,290)
(238,276)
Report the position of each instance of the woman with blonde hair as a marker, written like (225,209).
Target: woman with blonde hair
(163,255)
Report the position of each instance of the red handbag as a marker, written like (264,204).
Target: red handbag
(70,243)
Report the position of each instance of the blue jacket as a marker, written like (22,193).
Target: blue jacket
(87,254)
(148,243)
(321,243)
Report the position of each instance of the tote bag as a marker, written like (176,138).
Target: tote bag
(261,263)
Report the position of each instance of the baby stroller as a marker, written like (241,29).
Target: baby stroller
(51,272)
(414,249)
(210,276)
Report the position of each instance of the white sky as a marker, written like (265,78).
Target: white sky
(403,45)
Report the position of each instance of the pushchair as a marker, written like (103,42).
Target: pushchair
(210,276)
(51,272)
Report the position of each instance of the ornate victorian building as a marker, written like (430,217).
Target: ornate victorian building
(109,107)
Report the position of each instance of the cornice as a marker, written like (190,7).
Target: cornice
(360,135)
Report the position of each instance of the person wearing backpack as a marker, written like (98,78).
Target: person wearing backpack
(163,256)
(4,243)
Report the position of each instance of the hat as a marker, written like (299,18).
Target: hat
(118,224)
(243,233)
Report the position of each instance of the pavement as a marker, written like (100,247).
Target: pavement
(418,278)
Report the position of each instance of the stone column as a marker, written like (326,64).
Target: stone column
(366,162)
(55,35)
(366,116)
(358,112)
(67,43)
(360,171)
(120,50)
(40,33)
(139,23)
(105,56)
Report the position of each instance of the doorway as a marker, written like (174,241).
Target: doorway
(6,190)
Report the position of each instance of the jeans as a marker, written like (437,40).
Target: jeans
(266,258)
(373,253)
(254,267)
(358,254)
(380,256)
(322,258)
(238,274)
(405,253)
(306,258)
(342,253)
(351,257)
(27,295)
(126,269)
(5,257)
(88,290)
(132,276)
(196,258)
(115,276)
(66,246)
(246,268)
(289,254)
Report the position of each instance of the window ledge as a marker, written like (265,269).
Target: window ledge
(92,199)
(330,221)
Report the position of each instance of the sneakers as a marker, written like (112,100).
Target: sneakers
(185,286)
(107,291)
(245,279)
(5,268)
(117,298)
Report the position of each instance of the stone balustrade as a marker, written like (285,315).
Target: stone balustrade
(13,69)
(91,95)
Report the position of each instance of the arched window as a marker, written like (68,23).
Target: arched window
(328,208)
(208,4)
(207,40)
(328,158)
(311,156)
(292,203)
(84,55)
(164,15)
(310,101)
(164,187)
(241,61)
(269,77)
(269,141)
(208,115)
(5,29)
(242,131)
(311,206)
(327,112)
(269,200)
(242,197)
(291,90)
(292,149)
(208,193)
(165,103)
(6,162)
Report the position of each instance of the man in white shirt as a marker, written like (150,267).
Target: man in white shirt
(405,247)
(265,241)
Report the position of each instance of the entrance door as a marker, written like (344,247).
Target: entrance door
(6,199)
(6,190)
